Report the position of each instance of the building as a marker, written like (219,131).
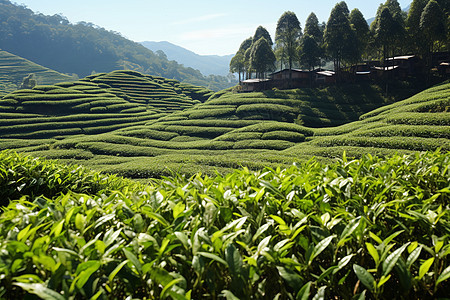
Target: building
(255,85)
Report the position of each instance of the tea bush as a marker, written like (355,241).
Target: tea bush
(372,228)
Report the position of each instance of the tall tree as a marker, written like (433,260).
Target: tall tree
(262,58)
(309,52)
(288,34)
(262,32)
(383,31)
(237,64)
(432,24)
(414,34)
(312,28)
(361,28)
(245,45)
(339,37)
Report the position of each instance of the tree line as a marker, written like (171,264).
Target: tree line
(346,38)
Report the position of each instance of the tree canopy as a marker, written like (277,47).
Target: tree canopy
(262,58)
(287,36)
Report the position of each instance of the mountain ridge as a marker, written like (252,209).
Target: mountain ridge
(206,64)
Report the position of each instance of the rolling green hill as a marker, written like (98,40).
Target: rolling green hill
(13,69)
(96,104)
(142,126)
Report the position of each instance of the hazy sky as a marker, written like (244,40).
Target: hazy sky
(202,26)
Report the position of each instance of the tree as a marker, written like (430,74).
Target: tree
(312,28)
(237,64)
(383,31)
(361,28)
(415,35)
(287,37)
(432,24)
(288,34)
(339,37)
(243,48)
(28,82)
(262,58)
(262,32)
(309,52)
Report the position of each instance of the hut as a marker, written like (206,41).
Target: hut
(255,85)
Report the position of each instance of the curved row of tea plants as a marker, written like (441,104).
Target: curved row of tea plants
(371,228)
(13,69)
(99,103)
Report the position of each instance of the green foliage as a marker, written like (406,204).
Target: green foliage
(370,227)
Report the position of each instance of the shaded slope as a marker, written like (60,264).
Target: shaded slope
(14,68)
(419,123)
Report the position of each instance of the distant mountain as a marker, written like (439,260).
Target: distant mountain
(84,48)
(207,64)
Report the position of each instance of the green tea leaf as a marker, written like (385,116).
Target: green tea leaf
(234,260)
(116,270)
(213,257)
(322,245)
(392,259)
(383,280)
(365,277)
(320,294)
(133,259)
(40,290)
(169,286)
(23,233)
(88,268)
(303,294)
(178,209)
(293,279)
(373,252)
(425,267)
(444,275)
(413,256)
(343,262)
(229,295)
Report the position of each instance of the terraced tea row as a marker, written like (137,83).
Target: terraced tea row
(228,130)
(13,69)
(92,106)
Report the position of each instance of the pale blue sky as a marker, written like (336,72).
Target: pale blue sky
(202,26)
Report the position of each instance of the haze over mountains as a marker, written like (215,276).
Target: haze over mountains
(207,64)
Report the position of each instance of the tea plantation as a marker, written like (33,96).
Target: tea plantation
(337,192)
(13,69)
(141,126)
(370,228)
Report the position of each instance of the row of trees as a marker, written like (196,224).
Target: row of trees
(346,38)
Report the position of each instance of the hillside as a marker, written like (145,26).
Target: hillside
(207,64)
(136,132)
(98,103)
(13,69)
(84,48)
